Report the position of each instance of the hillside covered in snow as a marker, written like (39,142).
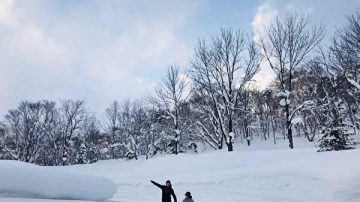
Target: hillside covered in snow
(254,174)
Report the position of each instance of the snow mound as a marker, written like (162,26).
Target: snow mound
(19,179)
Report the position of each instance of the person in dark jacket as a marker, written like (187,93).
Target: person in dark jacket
(167,191)
(188,197)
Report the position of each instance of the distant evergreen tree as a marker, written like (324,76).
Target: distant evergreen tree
(81,157)
(335,139)
(92,156)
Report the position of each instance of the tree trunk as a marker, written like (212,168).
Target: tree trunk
(230,145)
(176,131)
(288,126)
(246,129)
(230,142)
(273,129)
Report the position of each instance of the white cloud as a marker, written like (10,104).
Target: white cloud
(81,54)
(263,17)
(265,14)
(29,43)
(7,16)
(318,11)
(106,50)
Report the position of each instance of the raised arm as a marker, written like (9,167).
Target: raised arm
(174,196)
(157,184)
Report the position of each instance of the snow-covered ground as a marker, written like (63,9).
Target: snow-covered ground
(19,179)
(262,172)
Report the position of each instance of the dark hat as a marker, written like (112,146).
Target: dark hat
(188,194)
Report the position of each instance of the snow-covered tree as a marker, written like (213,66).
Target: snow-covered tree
(335,139)
(286,45)
(220,72)
(26,129)
(331,110)
(169,96)
(51,128)
(344,59)
(81,157)
(111,122)
(73,115)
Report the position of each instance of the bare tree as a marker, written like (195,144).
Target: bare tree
(128,130)
(345,59)
(220,72)
(168,97)
(26,128)
(51,128)
(73,115)
(346,48)
(285,46)
(112,124)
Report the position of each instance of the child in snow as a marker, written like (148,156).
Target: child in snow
(188,197)
(166,191)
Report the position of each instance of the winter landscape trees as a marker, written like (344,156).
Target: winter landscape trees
(220,73)
(315,95)
(286,45)
(169,97)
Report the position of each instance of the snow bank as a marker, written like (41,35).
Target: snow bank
(263,172)
(19,179)
(37,200)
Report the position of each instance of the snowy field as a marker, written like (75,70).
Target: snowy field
(262,172)
(19,179)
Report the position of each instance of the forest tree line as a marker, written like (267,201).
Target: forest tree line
(315,94)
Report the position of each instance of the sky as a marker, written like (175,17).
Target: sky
(102,51)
